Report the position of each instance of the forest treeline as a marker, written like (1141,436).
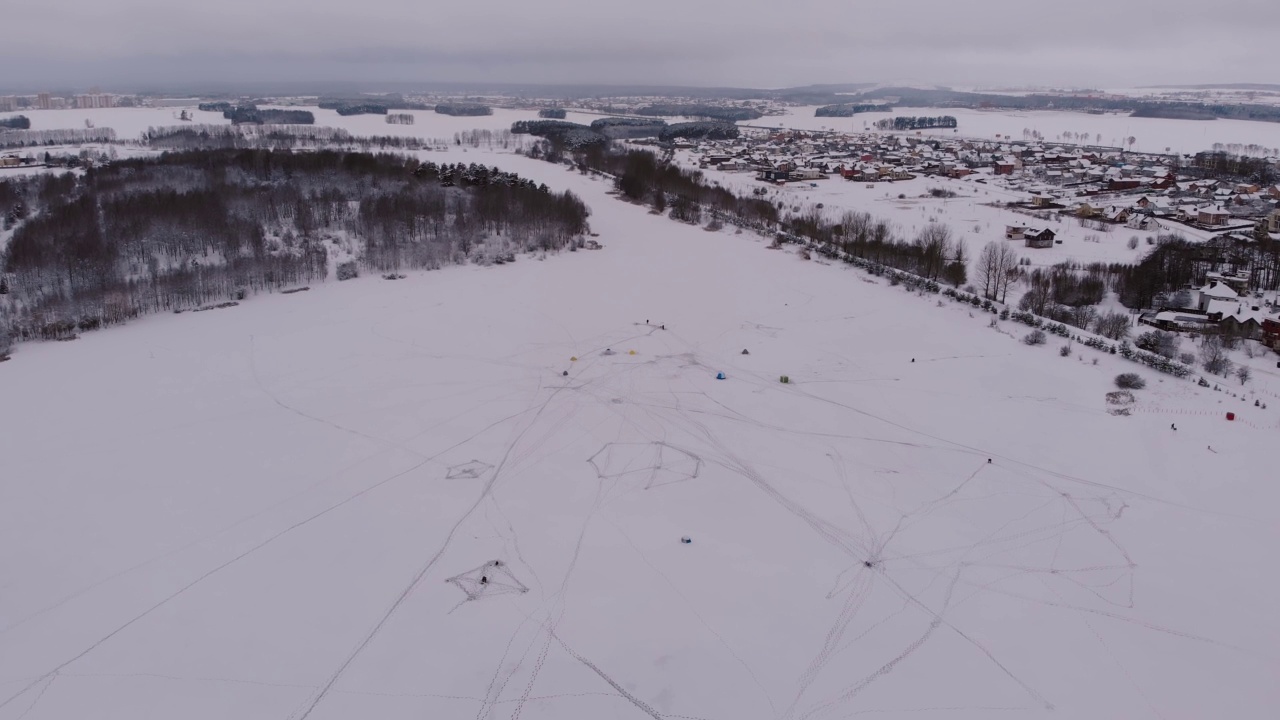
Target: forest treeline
(17,122)
(67,136)
(686,195)
(463,109)
(698,131)
(1219,164)
(184,230)
(848,109)
(617,128)
(366,105)
(274,137)
(252,114)
(917,123)
(560,132)
(1177,263)
(714,112)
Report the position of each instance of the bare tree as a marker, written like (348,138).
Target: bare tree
(997,269)
(1244,374)
(1113,325)
(1082,316)
(934,246)
(986,270)
(1213,354)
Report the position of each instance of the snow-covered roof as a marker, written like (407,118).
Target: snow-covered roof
(1218,290)
(1179,317)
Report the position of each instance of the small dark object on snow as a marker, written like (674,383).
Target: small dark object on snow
(565,373)
(744,351)
(868,563)
(497,563)
(988,461)
(686,540)
(664,327)
(1173,426)
(484,580)
(719,376)
(913,359)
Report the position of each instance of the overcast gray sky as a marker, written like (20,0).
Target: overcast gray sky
(1096,43)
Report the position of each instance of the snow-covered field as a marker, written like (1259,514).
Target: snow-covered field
(970,214)
(284,509)
(1150,134)
(129,123)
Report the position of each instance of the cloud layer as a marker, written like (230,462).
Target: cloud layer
(704,42)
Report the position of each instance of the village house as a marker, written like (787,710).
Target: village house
(1039,238)
(1239,319)
(1116,214)
(1239,282)
(1216,291)
(1213,215)
(1014,232)
(1178,320)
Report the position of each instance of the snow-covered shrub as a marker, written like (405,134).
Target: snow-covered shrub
(1158,342)
(1065,350)
(1027,318)
(1130,381)
(1035,337)
(1098,344)
(348,270)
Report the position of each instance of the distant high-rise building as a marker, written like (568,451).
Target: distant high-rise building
(98,100)
(8,103)
(43,101)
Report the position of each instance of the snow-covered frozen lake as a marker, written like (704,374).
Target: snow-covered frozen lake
(285,509)
(1150,134)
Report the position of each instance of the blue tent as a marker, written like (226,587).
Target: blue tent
(719,376)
